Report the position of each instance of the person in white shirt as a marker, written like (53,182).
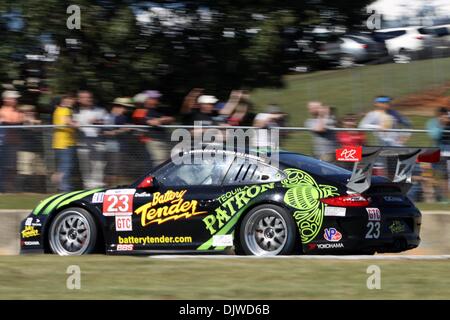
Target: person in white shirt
(91,147)
(380,118)
(320,122)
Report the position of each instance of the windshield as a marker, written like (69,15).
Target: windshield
(311,165)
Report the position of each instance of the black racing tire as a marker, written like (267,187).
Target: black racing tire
(267,230)
(72,232)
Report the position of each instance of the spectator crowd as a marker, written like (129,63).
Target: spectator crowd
(98,155)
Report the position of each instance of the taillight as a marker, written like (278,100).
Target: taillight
(364,46)
(352,200)
(419,37)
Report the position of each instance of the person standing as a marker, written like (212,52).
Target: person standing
(384,117)
(265,121)
(155,138)
(10,115)
(91,147)
(64,142)
(115,138)
(379,119)
(438,128)
(320,123)
(30,165)
(350,138)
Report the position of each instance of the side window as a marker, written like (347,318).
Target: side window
(250,172)
(206,173)
(441,32)
(397,33)
(382,36)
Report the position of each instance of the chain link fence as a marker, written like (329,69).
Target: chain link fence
(115,155)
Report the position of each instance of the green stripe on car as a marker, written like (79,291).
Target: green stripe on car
(44,202)
(58,200)
(78,197)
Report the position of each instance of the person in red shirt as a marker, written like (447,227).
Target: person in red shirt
(350,138)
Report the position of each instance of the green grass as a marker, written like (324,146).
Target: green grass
(353,90)
(20,200)
(433,206)
(44,277)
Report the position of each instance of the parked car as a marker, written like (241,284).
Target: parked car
(440,43)
(404,44)
(348,50)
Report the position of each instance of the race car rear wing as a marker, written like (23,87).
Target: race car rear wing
(366,157)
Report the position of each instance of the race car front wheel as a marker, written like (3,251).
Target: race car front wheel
(267,230)
(72,232)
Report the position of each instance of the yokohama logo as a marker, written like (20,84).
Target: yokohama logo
(330,245)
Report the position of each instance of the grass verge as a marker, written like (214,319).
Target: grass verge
(103,277)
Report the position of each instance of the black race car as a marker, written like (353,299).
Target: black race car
(300,206)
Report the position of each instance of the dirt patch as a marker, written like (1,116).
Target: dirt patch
(424,103)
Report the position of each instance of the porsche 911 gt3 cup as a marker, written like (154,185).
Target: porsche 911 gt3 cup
(301,206)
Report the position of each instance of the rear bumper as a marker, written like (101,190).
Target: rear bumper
(394,243)
(399,230)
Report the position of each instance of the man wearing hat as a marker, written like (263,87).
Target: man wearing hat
(400,120)
(199,108)
(116,137)
(155,138)
(8,112)
(384,117)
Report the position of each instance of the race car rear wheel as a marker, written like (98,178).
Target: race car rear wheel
(267,230)
(72,232)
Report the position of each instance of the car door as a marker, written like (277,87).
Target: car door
(169,216)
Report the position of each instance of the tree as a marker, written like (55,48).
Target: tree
(219,45)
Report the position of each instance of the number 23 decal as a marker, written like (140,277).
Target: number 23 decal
(118,202)
(373,231)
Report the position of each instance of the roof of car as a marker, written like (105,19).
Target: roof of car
(263,154)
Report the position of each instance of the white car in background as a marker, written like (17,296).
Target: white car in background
(440,47)
(404,44)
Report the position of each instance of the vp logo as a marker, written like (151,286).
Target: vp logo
(332,235)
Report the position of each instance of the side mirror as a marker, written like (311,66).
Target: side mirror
(147,183)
